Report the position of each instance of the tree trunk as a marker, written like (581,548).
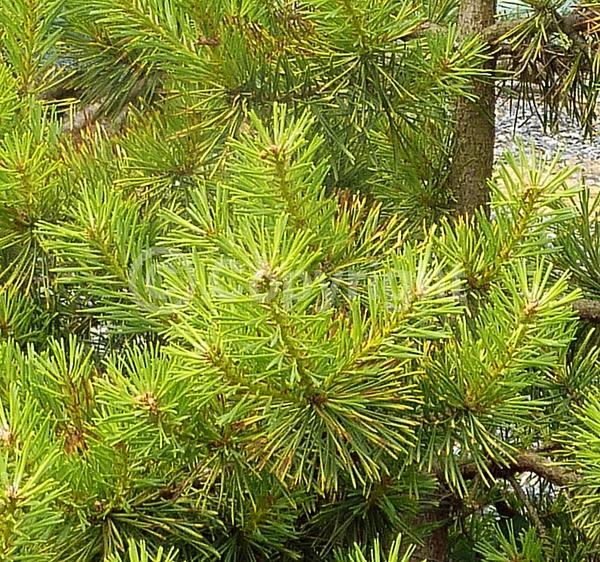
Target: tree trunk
(473,155)
(435,548)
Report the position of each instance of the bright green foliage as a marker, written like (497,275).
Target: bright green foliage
(370,77)
(214,346)
(376,555)
(139,553)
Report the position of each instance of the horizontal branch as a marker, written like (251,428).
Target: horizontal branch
(571,24)
(526,462)
(587,309)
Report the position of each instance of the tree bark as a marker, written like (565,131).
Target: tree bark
(473,155)
(435,548)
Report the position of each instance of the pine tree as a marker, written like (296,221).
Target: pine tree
(236,321)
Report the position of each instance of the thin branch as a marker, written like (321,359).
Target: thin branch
(588,309)
(570,24)
(533,513)
(526,462)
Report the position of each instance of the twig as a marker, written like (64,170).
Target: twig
(535,517)
(526,462)
(587,309)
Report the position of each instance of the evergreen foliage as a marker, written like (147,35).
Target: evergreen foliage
(236,321)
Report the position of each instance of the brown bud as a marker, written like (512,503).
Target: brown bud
(12,492)
(149,401)
(208,41)
(7,437)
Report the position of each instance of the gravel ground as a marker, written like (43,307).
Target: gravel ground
(521,124)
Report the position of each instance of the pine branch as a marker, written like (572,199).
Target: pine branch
(531,509)
(588,309)
(90,116)
(572,24)
(525,462)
